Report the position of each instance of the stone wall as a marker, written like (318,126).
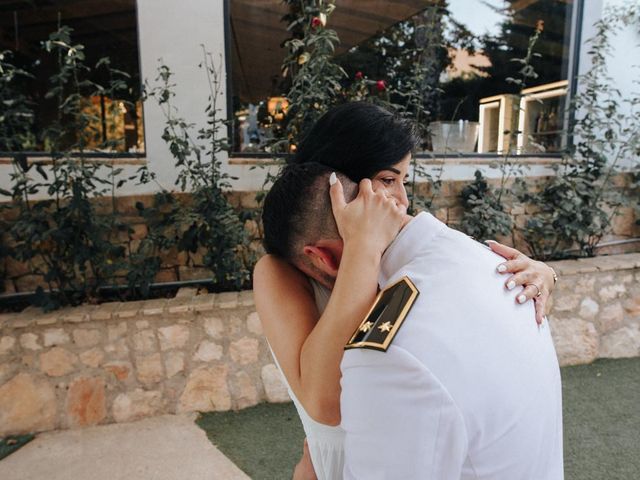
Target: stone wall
(447,207)
(118,362)
(595,311)
(180,266)
(18,277)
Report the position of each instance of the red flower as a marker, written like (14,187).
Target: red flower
(359,75)
(316,22)
(381,85)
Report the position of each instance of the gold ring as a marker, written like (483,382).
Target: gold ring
(537,288)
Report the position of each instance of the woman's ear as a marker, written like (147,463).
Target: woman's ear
(323,259)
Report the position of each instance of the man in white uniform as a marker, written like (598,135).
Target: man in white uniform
(469,387)
(465,386)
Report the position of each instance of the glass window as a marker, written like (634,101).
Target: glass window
(105,29)
(472,53)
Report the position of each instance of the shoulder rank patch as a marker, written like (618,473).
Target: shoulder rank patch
(385,317)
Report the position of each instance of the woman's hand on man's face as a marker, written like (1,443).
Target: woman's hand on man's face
(372,219)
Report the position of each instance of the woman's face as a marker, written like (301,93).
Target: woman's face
(393,179)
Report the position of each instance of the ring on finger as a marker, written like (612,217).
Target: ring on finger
(537,288)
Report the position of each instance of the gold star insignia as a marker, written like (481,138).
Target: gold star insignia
(385,327)
(365,327)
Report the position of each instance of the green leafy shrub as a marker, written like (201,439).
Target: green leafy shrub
(485,217)
(16,120)
(578,204)
(207,224)
(313,77)
(16,115)
(61,238)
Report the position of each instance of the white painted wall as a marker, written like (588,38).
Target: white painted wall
(625,45)
(624,63)
(174,32)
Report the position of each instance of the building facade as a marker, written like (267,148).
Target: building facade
(233,31)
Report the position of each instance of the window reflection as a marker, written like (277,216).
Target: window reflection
(471,48)
(105,29)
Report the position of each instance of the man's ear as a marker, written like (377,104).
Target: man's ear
(323,258)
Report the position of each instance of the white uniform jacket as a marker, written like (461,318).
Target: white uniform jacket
(469,387)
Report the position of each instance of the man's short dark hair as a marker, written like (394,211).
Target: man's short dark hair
(297,210)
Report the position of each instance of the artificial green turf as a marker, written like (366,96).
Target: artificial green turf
(264,441)
(601,427)
(602,420)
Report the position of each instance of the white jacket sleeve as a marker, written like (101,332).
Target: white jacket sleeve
(400,422)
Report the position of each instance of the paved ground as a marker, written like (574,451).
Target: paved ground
(161,448)
(601,427)
(601,422)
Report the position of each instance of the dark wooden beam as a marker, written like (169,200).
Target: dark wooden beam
(72,11)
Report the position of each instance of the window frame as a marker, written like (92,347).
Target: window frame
(575,41)
(47,156)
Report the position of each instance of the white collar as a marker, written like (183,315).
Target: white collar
(415,235)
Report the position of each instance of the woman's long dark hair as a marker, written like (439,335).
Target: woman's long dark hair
(358,139)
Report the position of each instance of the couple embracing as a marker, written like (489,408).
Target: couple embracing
(405,352)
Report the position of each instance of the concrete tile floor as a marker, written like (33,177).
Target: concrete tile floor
(168,447)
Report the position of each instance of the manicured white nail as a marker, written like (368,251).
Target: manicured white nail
(521,298)
(502,268)
(511,285)
(490,241)
(333,178)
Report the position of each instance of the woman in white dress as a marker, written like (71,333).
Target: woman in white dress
(308,324)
